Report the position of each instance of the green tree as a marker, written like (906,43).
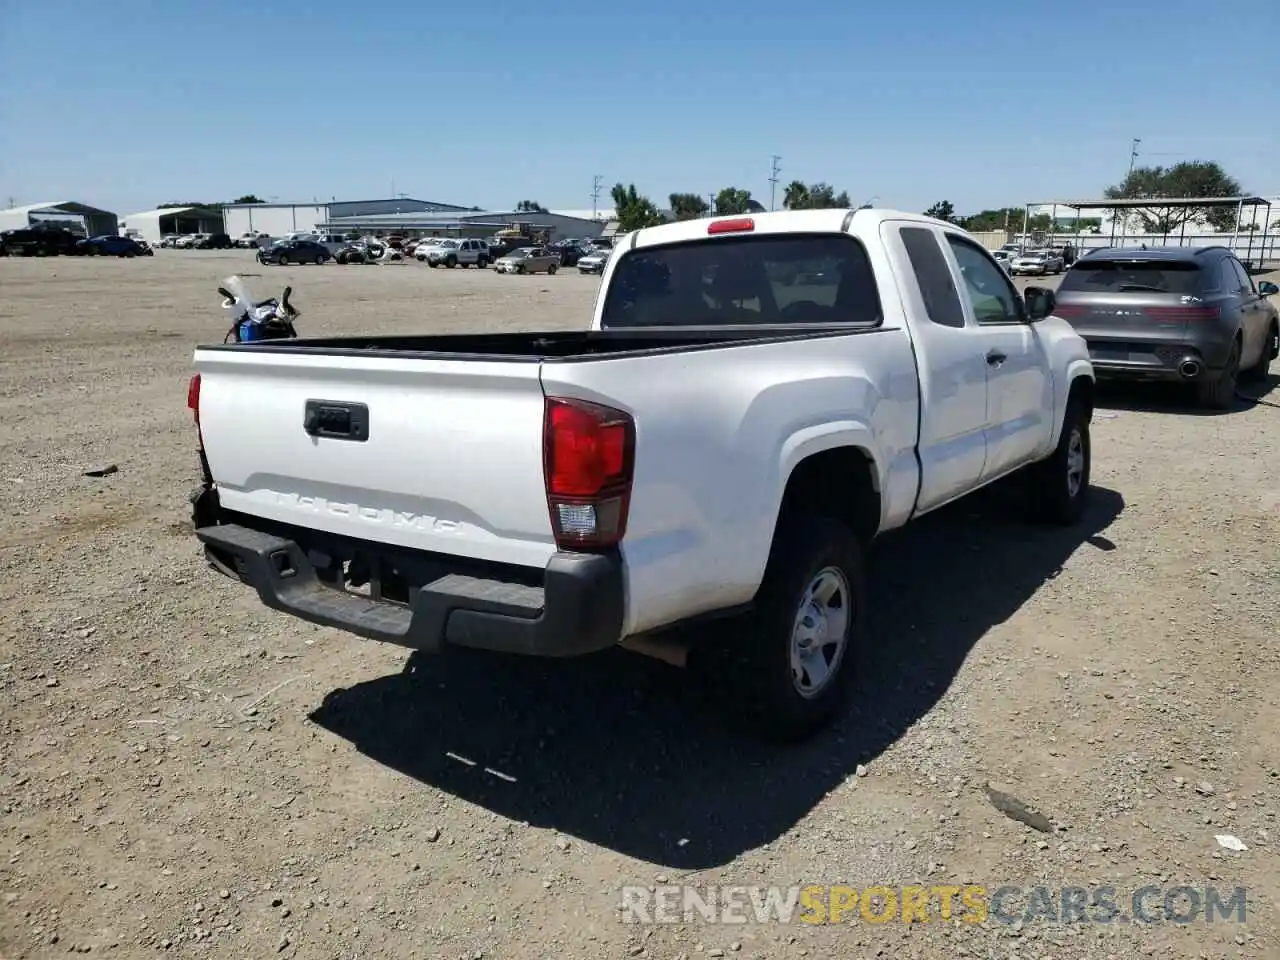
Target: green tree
(688,206)
(634,211)
(814,196)
(530,206)
(942,210)
(249,198)
(795,196)
(1193,178)
(732,200)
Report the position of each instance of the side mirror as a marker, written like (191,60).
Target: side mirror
(1267,288)
(1040,302)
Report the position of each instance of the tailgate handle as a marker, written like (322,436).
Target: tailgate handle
(336,420)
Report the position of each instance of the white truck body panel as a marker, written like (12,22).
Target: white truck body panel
(717,440)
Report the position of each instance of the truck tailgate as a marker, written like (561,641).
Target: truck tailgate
(450,460)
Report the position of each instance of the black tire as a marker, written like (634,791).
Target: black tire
(763,679)
(451,262)
(1270,350)
(552,268)
(282,260)
(482,262)
(1059,486)
(1220,392)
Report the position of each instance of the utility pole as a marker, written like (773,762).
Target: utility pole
(596,185)
(774,170)
(711,203)
(1124,219)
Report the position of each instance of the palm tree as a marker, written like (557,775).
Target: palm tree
(796,196)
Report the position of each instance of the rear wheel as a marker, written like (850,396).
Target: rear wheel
(482,262)
(552,268)
(1270,350)
(451,262)
(1220,392)
(790,666)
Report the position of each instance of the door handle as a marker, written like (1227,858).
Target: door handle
(995,358)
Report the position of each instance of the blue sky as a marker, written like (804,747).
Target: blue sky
(131,103)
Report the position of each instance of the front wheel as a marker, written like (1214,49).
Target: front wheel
(1060,484)
(282,260)
(451,263)
(551,269)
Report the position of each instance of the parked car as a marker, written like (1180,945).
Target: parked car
(249,240)
(294,251)
(1036,262)
(1188,314)
(111,245)
(1004,258)
(570,251)
(529,260)
(190,241)
(452,253)
(214,241)
(352,253)
(424,247)
(534,493)
(39,242)
(1065,252)
(594,262)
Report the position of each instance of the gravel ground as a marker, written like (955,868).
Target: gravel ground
(184,771)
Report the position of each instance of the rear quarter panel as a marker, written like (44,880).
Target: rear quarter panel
(718,432)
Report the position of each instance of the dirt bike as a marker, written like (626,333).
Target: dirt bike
(257,320)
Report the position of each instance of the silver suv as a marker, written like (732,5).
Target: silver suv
(452,253)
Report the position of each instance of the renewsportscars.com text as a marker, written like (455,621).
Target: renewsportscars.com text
(969,903)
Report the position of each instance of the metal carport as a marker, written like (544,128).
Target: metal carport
(1174,203)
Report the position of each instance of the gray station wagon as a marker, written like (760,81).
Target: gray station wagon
(1189,314)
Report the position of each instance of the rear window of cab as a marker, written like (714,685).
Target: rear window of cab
(771,280)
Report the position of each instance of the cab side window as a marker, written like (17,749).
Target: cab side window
(933,276)
(994,298)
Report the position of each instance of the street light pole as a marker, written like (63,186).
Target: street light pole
(774,170)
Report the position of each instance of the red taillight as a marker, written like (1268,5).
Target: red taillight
(741,225)
(1178,314)
(193,397)
(1070,311)
(588,454)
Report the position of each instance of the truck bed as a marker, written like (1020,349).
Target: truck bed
(539,346)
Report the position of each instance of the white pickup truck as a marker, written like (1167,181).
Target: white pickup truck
(757,399)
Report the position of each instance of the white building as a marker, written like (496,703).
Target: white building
(277,219)
(80,217)
(153,225)
(470,223)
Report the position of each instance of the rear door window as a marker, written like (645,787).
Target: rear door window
(1242,276)
(933,276)
(1133,276)
(767,280)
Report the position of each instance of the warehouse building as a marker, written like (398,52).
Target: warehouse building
(472,223)
(277,219)
(78,217)
(152,225)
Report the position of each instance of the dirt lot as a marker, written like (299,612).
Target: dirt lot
(183,770)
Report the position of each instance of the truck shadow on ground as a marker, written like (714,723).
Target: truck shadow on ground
(624,752)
